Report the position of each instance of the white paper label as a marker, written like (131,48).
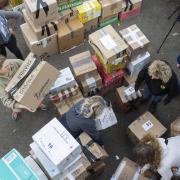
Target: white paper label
(91,82)
(147,125)
(108,42)
(129,91)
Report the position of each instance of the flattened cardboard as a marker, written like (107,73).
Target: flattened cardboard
(143,125)
(43,48)
(70,34)
(107,44)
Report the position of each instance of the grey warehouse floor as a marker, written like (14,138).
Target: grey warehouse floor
(154,23)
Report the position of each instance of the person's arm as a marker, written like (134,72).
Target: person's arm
(89,127)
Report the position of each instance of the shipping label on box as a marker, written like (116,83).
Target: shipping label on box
(145,124)
(136,40)
(41,12)
(13,166)
(107,44)
(57,143)
(89,10)
(106,119)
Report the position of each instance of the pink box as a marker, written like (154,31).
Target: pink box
(125,15)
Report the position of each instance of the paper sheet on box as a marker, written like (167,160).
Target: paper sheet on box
(129,91)
(108,42)
(147,125)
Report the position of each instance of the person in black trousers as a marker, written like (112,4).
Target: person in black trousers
(8,39)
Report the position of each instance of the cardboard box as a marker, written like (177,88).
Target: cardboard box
(44,31)
(35,167)
(70,35)
(136,40)
(106,119)
(175,127)
(110,7)
(124,15)
(68,14)
(89,10)
(127,169)
(94,148)
(43,48)
(65,105)
(92,84)
(47,11)
(108,44)
(91,25)
(64,81)
(13,166)
(135,66)
(36,86)
(57,144)
(83,66)
(143,125)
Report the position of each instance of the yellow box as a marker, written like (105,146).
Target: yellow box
(89,10)
(109,68)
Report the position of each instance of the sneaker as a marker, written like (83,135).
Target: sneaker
(152,107)
(15,116)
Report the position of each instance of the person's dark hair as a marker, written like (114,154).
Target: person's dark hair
(144,154)
(2,59)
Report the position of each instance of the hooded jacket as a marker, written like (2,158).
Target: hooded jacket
(157,86)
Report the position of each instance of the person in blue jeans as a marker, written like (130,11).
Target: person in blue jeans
(160,80)
(178,61)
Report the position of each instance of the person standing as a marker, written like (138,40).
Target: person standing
(160,80)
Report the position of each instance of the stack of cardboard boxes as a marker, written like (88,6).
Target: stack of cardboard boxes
(65,92)
(86,73)
(58,153)
(40,29)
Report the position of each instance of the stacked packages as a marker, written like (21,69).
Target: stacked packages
(65,92)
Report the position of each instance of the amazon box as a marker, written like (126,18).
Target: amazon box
(108,44)
(144,125)
(32,88)
(128,169)
(41,11)
(42,31)
(70,34)
(43,48)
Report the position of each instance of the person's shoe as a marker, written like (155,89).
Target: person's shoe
(15,116)
(152,107)
(131,7)
(43,107)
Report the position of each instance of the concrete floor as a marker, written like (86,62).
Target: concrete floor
(153,22)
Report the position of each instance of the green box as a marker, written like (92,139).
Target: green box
(113,20)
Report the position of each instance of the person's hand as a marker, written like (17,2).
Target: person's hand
(11,31)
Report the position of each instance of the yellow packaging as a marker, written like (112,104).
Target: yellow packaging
(109,68)
(89,10)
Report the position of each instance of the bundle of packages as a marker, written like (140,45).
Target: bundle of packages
(88,14)
(32,81)
(109,48)
(86,73)
(129,10)
(14,166)
(93,151)
(40,29)
(126,95)
(175,127)
(110,11)
(143,125)
(58,153)
(137,49)
(65,92)
(109,80)
(128,169)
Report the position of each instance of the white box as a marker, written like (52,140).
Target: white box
(137,64)
(52,171)
(64,81)
(57,144)
(34,166)
(106,119)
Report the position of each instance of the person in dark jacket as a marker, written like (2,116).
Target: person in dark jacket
(160,80)
(80,118)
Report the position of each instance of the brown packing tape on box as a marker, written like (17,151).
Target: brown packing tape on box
(70,34)
(143,125)
(107,43)
(42,48)
(42,31)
